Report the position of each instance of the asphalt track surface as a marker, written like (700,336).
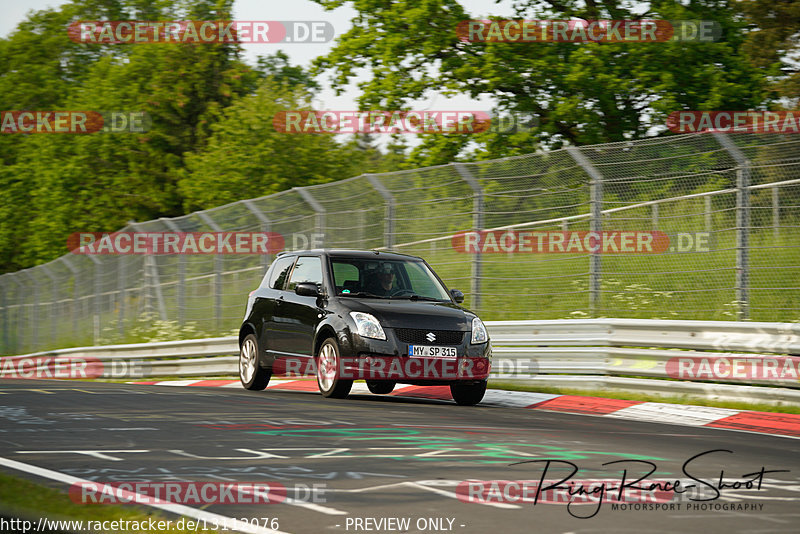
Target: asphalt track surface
(384,460)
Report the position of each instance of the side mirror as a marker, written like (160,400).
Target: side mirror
(457,295)
(307,289)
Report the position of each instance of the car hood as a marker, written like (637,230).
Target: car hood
(404,313)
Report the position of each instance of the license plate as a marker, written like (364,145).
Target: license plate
(432,352)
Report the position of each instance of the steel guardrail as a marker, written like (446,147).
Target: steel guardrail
(580,353)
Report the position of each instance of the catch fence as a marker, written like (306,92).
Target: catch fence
(696,227)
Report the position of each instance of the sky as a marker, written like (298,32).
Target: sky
(12,12)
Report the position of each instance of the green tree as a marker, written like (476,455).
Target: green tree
(773,43)
(582,92)
(54,185)
(247,157)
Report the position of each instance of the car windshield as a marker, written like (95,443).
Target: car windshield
(382,278)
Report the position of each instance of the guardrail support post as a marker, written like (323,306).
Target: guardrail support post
(388,199)
(318,209)
(477,226)
(595,224)
(742,224)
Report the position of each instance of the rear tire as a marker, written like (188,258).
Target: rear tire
(329,371)
(381,387)
(468,395)
(251,374)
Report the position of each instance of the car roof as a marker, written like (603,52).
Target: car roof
(347,253)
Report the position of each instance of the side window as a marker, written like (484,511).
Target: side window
(345,276)
(279,272)
(308,269)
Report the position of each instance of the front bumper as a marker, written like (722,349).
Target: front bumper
(375,359)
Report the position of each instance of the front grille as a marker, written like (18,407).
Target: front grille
(420,336)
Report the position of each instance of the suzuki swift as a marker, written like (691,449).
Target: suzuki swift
(345,315)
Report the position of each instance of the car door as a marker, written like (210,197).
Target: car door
(267,296)
(297,317)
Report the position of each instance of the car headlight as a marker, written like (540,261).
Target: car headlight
(368,326)
(479,334)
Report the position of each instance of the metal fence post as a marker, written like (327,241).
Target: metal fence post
(477,225)
(34,310)
(180,290)
(16,348)
(266,226)
(742,224)
(4,349)
(122,281)
(151,275)
(595,225)
(388,199)
(75,292)
(776,214)
(362,228)
(217,272)
(98,272)
(52,310)
(319,210)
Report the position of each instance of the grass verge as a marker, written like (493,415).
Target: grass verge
(21,498)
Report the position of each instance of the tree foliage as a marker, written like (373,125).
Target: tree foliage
(582,92)
(210,139)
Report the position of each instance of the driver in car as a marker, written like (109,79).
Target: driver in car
(382,281)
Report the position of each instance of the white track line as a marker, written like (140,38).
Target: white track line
(179,509)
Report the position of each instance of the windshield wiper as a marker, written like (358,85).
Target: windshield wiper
(363,294)
(421,297)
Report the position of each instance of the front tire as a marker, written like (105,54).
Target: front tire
(381,387)
(329,370)
(468,394)
(251,374)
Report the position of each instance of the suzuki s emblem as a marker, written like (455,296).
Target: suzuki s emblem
(430,336)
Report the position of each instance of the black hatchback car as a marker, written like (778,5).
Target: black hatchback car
(345,315)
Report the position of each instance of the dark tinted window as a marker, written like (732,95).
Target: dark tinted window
(308,269)
(280,271)
(384,277)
